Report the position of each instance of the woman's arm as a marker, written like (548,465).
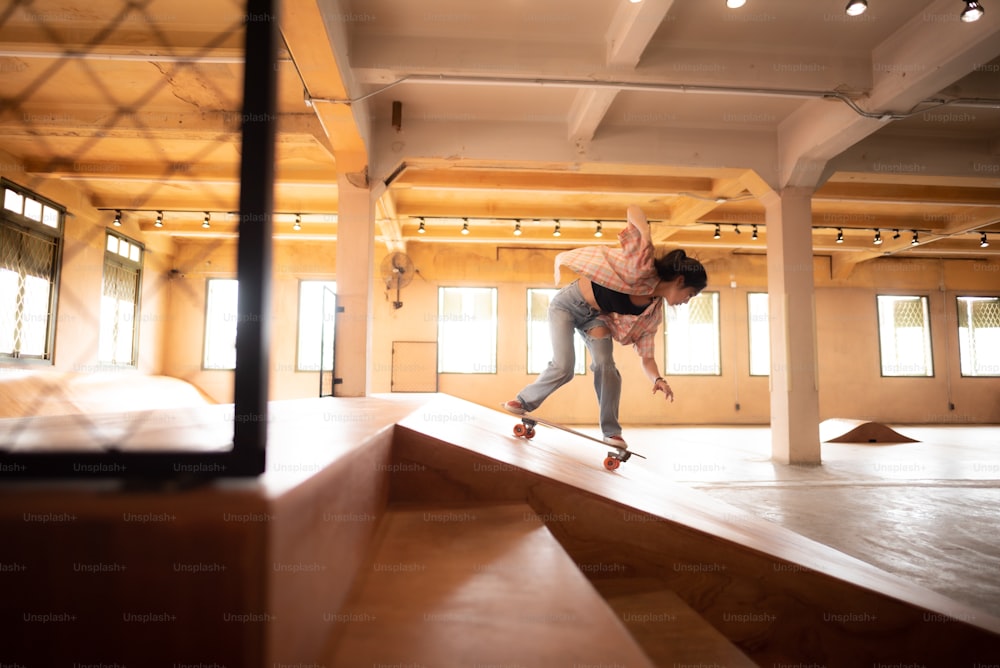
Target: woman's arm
(637,218)
(660,383)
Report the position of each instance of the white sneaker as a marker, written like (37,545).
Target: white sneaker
(616,441)
(514,406)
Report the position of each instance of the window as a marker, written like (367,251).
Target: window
(30,246)
(692,334)
(315,326)
(467,330)
(904,336)
(539,340)
(759,329)
(979,335)
(118,342)
(220,324)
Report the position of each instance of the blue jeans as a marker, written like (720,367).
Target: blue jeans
(569,311)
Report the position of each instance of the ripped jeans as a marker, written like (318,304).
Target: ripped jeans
(569,311)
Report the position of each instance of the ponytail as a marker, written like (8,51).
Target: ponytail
(677,263)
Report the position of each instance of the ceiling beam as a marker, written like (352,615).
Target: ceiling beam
(909,66)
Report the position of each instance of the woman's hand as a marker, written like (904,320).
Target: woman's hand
(661,385)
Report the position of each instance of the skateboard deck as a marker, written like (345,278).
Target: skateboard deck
(616,457)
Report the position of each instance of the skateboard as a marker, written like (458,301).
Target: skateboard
(615,458)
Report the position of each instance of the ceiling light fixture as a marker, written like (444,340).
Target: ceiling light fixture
(983,242)
(298,223)
(421,230)
(557,232)
(856,7)
(718,233)
(973,11)
(735,4)
(736,229)
(895,234)
(205,222)
(915,241)
(517,229)
(159,219)
(840,236)
(465,226)
(878,238)
(754,235)
(118,219)
(599,232)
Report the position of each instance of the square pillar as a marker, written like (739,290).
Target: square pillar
(355,272)
(791,290)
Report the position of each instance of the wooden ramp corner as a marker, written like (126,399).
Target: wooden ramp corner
(478,586)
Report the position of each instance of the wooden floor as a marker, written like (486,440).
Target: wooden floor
(698,537)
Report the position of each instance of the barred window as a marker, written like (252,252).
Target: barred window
(692,333)
(979,335)
(30,248)
(539,339)
(904,336)
(119,337)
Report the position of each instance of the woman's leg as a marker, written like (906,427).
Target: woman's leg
(567,310)
(607,379)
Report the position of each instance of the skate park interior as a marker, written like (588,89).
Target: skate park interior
(821,512)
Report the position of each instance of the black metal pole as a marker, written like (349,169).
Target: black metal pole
(253,330)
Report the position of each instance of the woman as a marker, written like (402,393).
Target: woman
(619,296)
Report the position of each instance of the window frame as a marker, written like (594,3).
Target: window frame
(718,340)
(958,330)
(20,223)
(929,336)
(323,283)
(128,264)
(496,325)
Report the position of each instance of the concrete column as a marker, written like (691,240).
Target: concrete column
(794,382)
(355,271)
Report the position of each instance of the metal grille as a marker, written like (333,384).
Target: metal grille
(121,287)
(701,311)
(26,291)
(908,313)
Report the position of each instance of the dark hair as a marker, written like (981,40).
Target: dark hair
(677,263)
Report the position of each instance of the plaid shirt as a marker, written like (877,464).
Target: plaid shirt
(621,270)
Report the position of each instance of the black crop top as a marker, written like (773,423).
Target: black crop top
(613,301)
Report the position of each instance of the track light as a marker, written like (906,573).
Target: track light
(557,232)
(983,242)
(915,241)
(895,234)
(878,238)
(421,230)
(599,232)
(735,4)
(205,222)
(736,229)
(973,11)
(840,236)
(118,219)
(517,229)
(465,226)
(298,223)
(856,7)
(754,235)
(159,219)
(718,233)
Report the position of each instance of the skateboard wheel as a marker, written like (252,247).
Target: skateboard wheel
(521,430)
(530,432)
(611,463)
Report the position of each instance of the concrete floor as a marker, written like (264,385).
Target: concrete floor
(927,511)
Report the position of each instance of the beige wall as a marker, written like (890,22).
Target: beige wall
(173,317)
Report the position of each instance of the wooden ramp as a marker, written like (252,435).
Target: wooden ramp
(778,596)
(840,430)
(476,586)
